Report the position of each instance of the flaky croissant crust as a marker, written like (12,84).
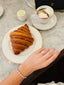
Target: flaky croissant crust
(21,39)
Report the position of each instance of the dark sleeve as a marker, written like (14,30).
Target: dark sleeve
(56,4)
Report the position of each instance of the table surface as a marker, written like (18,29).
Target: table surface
(51,38)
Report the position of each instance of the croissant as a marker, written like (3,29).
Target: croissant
(21,39)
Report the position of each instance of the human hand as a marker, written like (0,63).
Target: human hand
(37,60)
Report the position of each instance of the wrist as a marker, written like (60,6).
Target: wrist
(24,70)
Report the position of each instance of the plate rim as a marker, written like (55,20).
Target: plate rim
(3,39)
(1,11)
(44,29)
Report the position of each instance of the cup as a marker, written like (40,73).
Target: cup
(44,13)
(21,14)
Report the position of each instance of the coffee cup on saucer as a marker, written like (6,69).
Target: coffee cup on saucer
(44,13)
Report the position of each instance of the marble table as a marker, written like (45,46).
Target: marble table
(51,38)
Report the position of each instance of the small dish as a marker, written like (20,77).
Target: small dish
(21,14)
(44,26)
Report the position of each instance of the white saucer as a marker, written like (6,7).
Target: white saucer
(7,48)
(50,24)
(1,11)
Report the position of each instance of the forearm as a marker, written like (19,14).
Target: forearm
(15,78)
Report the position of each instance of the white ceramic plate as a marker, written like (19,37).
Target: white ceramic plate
(7,48)
(1,11)
(50,24)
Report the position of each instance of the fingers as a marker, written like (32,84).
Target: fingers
(49,54)
(44,52)
(52,58)
(39,50)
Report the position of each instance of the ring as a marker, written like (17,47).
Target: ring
(42,52)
